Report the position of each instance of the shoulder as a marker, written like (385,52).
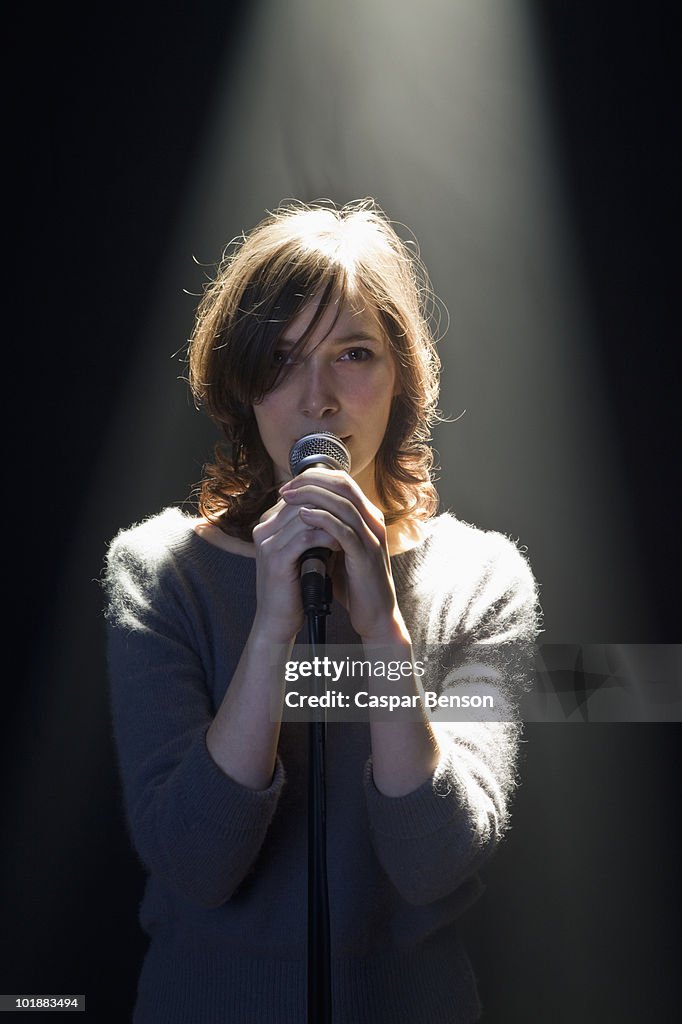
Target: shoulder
(476,578)
(140,557)
(473,553)
(153,538)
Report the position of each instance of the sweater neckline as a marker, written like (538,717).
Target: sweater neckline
(405,565)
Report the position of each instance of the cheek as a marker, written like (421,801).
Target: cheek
(377,387)
(376,397)
(268,412)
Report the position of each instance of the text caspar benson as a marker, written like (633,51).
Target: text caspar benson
(391,671)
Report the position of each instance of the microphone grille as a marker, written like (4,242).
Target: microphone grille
(320,447)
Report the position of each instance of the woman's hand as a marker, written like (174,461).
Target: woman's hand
(332,503)
(341,517)
(280,537)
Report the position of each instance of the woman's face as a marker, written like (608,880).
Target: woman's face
(344,380)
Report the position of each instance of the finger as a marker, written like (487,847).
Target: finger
(270,512)
(338,482)
(353,545)
(333,479)
(273,520)
(295,537)
(365,519)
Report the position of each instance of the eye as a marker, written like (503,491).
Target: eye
(282,357)
(357,355)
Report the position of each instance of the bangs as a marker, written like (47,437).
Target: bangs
(262,320)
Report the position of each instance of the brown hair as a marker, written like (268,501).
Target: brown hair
(352,253)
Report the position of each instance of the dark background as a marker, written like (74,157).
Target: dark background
(106,117)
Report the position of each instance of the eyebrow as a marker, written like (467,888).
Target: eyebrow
(356,336)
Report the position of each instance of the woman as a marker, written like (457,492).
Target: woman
(315,321)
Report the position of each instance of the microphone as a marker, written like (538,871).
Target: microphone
(319,449)
(323,450)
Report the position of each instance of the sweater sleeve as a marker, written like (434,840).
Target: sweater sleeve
(190,823)
(432,840)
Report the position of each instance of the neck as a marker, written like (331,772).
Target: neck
(400,536)
(404,534)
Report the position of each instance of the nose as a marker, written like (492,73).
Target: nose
(318,398)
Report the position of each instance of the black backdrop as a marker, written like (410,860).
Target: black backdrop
(579,925)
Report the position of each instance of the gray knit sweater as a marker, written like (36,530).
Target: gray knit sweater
(225,902)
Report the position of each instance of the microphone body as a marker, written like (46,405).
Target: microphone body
(326,451)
